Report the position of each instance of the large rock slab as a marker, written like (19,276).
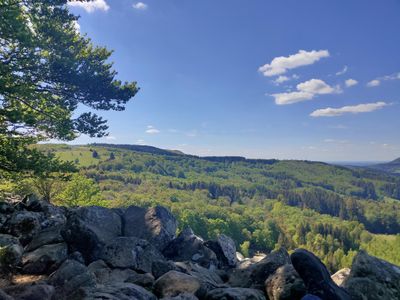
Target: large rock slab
(71,276)
(51,235)
(373,278)
(45,259)
(115,291)
(130,252)
(174,283)
(88,229)
(156,225)
(225,249)
(285,284)
(235,294)
(189,247)
(106,275)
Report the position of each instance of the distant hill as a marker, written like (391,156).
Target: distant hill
(390,167)
(263,204)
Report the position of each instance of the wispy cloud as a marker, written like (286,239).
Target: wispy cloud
(140,142)
(152,130)
(354,109)
(338,126)
(343,71)
(91,6)
(140,6)
(280,65)
(336,141)
(111,138)
(305,91)
(373,83)
(283,78)
(351,82)
(378,81)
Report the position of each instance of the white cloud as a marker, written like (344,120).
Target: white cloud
(351,82)
(377,81)
(140,142)
(355,109)
(344,70)
(280,65)
(316,86)
(392,77)
(140,6)
(76,25)
(283,78)
(305,91)
(373,83)
(292,97)
(110,137)
(91,6)
(152,130)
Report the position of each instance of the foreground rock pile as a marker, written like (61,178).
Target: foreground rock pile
(50,252)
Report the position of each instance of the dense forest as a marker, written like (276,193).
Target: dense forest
(262,204)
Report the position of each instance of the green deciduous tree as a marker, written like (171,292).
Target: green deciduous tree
(47,71)
(80,191)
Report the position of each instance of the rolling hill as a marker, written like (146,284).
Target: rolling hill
(331,210)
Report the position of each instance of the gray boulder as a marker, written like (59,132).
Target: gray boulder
(45,259)
(31,292)
(225,249)
(174,283)
(254,274)
(105,275)
(160,267)
(285,284)
(373,278)
(11,251)
(71,276)
(156,225)
(115,291)
(235,294)
(209,279)
(130,252)
(24,225)
(47,236)
(189,247)
(88,229)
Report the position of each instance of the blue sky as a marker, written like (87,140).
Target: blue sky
(312,79)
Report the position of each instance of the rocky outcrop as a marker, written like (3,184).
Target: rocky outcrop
(156,225)
(88,229)
(373,278)
(225,249)
(130,252)
(254,274)
(189,247)
(50,252)
(285,284)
